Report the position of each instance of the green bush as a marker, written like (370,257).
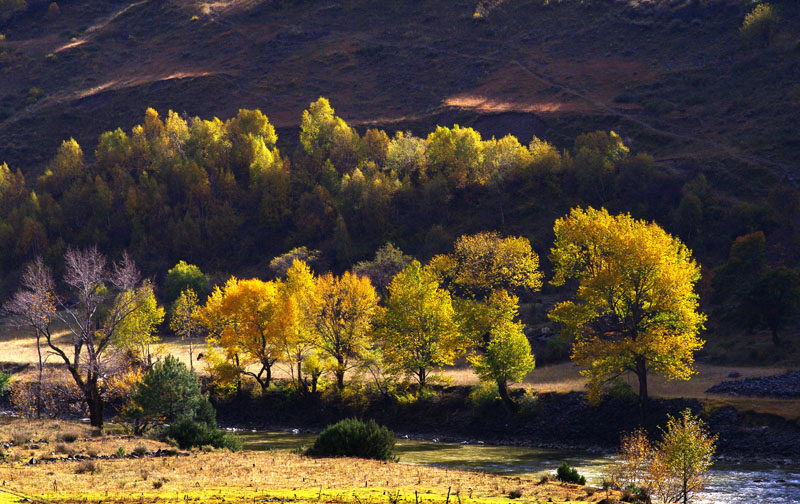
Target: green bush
(569,474)
(5,382)
(201,430)
(354,438)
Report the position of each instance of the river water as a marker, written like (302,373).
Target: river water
(730,483)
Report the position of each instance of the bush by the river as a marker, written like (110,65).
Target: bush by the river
(354,438)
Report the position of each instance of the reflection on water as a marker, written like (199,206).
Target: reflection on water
(730,483)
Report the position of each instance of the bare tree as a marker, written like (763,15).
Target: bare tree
(34,307)
(92,314)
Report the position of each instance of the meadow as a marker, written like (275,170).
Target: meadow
(112,467)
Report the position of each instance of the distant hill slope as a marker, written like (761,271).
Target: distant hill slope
(674,78)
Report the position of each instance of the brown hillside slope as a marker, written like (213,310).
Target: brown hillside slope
(675,79)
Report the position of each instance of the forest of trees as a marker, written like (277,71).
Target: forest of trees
(219,194)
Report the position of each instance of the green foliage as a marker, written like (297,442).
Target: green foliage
(201,429)
(418,328)
(5,382)
(772,300)
(760,25)
(354,438)
(167,392)
(388,262)
(184,276)
(484,396)
(569,474)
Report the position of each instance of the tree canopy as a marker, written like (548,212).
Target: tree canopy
(635,308)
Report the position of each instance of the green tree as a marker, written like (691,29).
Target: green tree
(635,308)
(140,329)
(481,271)
(418,327)
(183,320)
(167,392)
(388,262)
(184,276)
(772,300)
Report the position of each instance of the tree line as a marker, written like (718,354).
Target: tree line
(635,309)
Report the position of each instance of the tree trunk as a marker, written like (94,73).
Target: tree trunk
(191,356)
(41,378)
(775,339)
(641,373)
(95,403)
(421,375)
(340,373)
(508,403)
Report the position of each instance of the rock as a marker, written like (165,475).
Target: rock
(785,385)
(734,374)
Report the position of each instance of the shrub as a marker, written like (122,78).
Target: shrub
(484,396)
(88,467)
(569,474)
(5,382)
(354,438)
(201,430)
(68,437)
(140,450)
(760,25)
(20,438)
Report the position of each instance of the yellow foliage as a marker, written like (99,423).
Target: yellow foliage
(251,321)
(635,308)
(339,313)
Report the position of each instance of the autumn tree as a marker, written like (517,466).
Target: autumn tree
(481,272)
(34,307)
(418,328)
(339,313)
(183,320)
(635,308)
(682,459)
(140,329)
(299,288)
(760,24)
(249,320)
(101,300)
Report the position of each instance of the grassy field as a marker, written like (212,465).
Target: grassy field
(221,476)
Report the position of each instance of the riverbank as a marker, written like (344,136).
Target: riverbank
(550,420)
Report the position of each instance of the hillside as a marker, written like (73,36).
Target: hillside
(673,78)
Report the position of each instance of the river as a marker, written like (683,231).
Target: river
(730,483)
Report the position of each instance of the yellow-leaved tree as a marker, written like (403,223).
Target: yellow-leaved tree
(481,272)
(635,309)
(249,320)
(138,331)
(339,313)
(418,327)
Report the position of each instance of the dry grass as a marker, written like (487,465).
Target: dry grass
(43,439)
(258,476)
(20,349)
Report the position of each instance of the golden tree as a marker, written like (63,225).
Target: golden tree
(250,321)
(339,314)
(140,330)
(635,309)
(418,328)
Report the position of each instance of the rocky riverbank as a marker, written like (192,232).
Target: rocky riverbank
(785,386)
(548,420)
